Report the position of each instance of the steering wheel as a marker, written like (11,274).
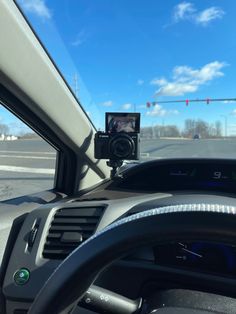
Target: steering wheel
(69,282)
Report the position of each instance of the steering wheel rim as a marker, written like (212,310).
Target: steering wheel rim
(78,271)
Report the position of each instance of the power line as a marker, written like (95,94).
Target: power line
(188,101)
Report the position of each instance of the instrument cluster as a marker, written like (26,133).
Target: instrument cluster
(206,257)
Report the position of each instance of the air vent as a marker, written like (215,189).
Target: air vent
(69,228)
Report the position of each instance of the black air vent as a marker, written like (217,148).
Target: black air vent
(69,228)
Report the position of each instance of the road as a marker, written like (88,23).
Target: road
(28,166)
(179,148)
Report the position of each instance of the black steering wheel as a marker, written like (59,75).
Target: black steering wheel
(69,282)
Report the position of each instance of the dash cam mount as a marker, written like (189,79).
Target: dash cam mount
(120,141)
(115,165)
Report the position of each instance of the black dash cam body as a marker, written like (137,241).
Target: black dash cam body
(121,146)
(121,141)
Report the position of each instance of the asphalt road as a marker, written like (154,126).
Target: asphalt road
(189,148)
(28,166)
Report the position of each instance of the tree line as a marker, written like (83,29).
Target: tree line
(191,128)
(5,131)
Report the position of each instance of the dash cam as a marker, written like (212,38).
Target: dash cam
(121,140)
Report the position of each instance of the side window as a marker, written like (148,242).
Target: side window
(27,162)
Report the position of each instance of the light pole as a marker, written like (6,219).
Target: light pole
(76,86)
(226,124)
(163,128)
(74,83)
(153,131)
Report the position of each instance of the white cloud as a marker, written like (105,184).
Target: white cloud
(107,103)
(175,89)
(80,39)
(186,11)
(159,111)
(233,113)
(208,15)
(229,101)
(126,106)
(173,112)
(199,76)
(37,7)
(140,82)
(183,11)
(188,80)
(160,82)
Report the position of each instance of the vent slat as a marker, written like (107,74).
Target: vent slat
(67,215)
(62,252)
(72,228)
(54,235)
(69,228)
(55,245)
(75,220)
(83,212)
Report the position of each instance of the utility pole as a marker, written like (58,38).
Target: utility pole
(76,86)
(153,130)
(226,124)
(163,128)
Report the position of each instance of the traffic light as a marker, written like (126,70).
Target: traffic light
(187,102)
(148,104)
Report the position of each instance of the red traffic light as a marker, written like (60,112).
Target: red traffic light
(187,102)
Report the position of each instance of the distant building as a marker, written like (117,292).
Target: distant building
(4,137)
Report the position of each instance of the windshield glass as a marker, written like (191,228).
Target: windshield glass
(172,61)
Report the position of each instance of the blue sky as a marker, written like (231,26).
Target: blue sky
(129,52)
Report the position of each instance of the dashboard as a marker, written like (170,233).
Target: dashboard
(214,258)
(183,174)
(48,234)
(200,257)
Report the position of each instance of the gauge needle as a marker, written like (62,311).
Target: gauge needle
(191,252)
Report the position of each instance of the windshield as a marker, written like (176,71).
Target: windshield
(171,61)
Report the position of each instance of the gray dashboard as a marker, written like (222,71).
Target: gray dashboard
(32,259)
(117,200)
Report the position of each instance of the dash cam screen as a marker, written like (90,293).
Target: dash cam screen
(122,122)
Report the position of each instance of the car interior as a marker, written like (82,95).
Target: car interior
(150,237)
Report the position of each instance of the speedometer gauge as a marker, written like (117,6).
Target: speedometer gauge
(213,256)
(199,256)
